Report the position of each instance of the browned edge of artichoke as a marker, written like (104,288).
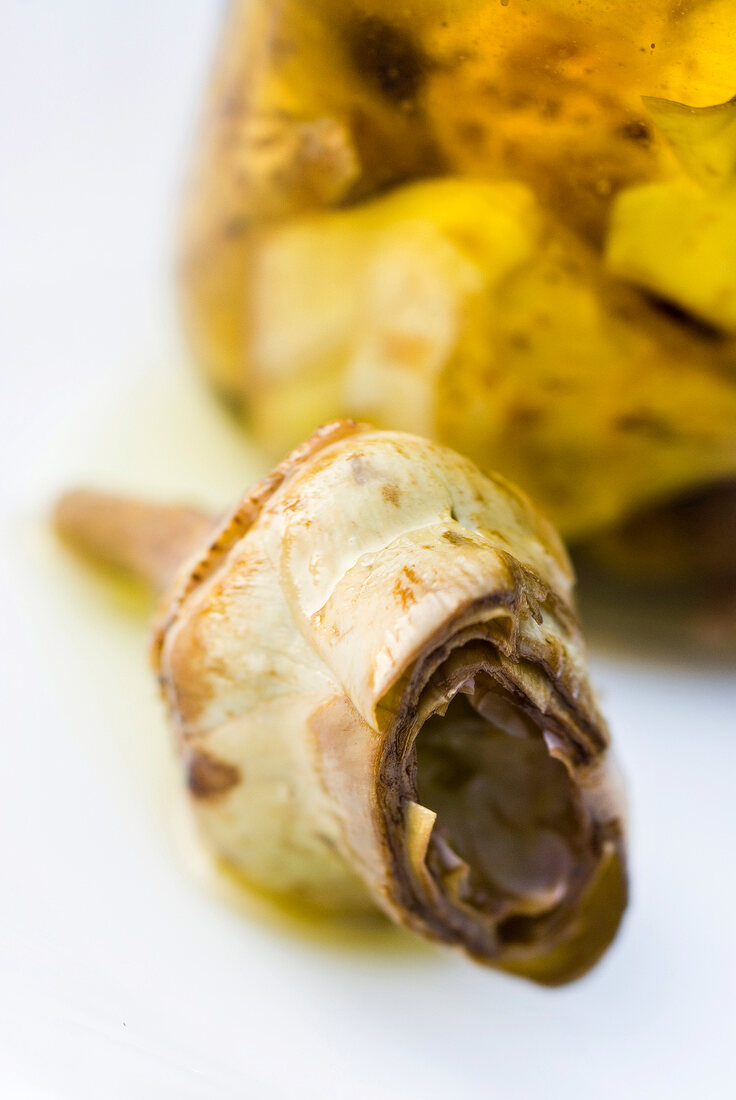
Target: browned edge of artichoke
(562,942)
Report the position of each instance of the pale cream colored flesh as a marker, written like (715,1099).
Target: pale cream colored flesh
(379,693)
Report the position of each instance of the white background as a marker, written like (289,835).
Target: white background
(126,968)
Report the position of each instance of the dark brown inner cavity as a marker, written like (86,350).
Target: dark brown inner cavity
(504,806)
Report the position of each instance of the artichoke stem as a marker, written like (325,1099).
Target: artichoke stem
(147,541)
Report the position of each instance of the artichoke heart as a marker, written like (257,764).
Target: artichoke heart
(379,691)
(460,310)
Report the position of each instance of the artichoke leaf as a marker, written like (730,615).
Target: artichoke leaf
(702,138)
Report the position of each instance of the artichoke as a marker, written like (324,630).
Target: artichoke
(462,218)
(378,687)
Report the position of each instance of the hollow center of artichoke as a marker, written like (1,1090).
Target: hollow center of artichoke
(505,808)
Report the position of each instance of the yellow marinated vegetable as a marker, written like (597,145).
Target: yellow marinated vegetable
(480,221)
(446,308)
(379,693)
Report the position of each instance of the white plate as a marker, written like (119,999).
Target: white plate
(126,967)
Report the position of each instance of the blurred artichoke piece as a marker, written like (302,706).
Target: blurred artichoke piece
(321,279)
(678,239)
(457,309)
(367,307)
(680,244)
(552,98)
(311,104)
